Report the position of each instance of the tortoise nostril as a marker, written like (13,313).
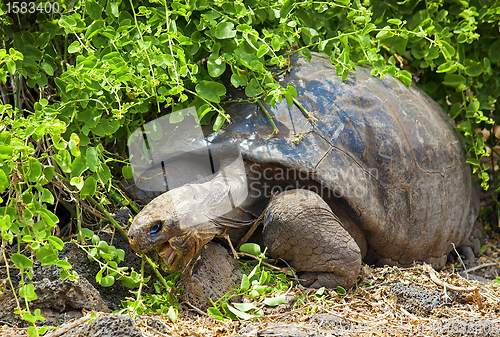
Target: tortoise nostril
(156,227)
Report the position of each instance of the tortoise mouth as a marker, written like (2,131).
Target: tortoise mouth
(167,253)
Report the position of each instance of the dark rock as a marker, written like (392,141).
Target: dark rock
(122,215)
(467,326)
(108,326)
(213,275)
(450,259)
(275,329)
(328,321)
(117,292)
(467,253)
(416,299)
(476,246)
(59,300)
(282,308)
(156,324)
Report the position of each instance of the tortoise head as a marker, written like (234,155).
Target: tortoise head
(174,226)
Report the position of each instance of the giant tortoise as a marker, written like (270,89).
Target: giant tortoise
(374,171)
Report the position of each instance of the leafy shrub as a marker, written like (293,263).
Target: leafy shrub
(76,82)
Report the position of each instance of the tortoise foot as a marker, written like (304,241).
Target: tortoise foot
(301,228)
(327,280)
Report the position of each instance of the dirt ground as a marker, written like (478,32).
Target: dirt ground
(399,302)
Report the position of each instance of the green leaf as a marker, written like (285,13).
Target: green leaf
(384,34)
(341,291)
(215,313)
(106,127)
(4,181)
(63,264)
(286,8)
(47,196)
(445,67)
(448,50)
(245,283)
(239,314)
(74,144)
(210,91)
(89,187)
(219,121)
(48,172)
(493,53)
(77,182)
(6,151)
(474,70)
(79,166)
(472,161)
(63,159)
(263,49)
(35,170)
(94,9)
(21,261)
(11,66)
(107,281)
(253,88)
(215,65)
(74,47)
(172,314)
(274,301)
(67,21)
(238,80)
(320,292)
(455,110)
(27,291)
(250,61)
(92,159)
(32,319)
(245,307)
(58,243)
(48,217)
(127,172)
(104,173)
(454,80)
(251,248)
(276,44)
(224,30)
(394,21)
(473,106)
(130,282)
(368,29)
(47,68)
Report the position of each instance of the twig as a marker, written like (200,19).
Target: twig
(69,326)
(235,254)
(267,264)
(461,261)
(375,285)
(434,277)
(250,231)
(482,266)
(196,309)
(254,226)
(109,217)
(275,128)
(304,110)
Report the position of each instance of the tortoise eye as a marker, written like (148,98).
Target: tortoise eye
(156,227)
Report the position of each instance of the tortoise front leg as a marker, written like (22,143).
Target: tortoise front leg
(300,228)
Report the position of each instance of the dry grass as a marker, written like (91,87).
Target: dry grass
(364,311)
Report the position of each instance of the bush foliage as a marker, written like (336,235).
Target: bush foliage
(79,78)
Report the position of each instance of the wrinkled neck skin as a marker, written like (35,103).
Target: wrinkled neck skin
(188,215)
